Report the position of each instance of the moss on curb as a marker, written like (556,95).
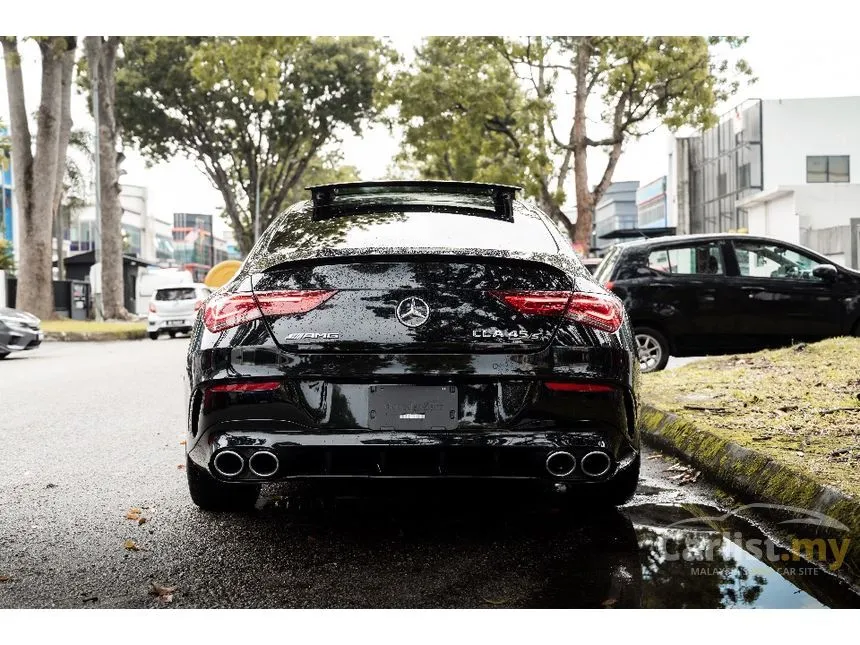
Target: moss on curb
(755,476)
(124,334)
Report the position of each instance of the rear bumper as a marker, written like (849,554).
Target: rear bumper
(179,322)
(363,454)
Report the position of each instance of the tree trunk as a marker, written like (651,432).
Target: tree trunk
(68,68)
(101,58)
(584,198)
(36,175)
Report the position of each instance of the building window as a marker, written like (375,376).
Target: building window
(831,169)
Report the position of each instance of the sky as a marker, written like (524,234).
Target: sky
(783,67)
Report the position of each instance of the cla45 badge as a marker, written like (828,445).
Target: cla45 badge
(498,333)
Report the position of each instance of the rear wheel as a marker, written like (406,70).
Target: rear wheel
(153,335)
(212,495)
(653,349)
(172,334)
(3,355)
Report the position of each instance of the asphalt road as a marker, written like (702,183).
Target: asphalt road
(93,430)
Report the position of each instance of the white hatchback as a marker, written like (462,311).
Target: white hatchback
(172,309)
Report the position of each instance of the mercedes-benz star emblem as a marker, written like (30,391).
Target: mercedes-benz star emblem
(413,312)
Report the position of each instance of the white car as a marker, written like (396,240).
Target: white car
(173,309)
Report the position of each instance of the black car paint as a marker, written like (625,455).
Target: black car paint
(712,314)
(317,420)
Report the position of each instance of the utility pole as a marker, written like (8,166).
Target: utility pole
(97,251)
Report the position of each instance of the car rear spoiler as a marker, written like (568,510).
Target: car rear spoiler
(485,200)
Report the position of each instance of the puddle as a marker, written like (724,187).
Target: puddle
(697,556)
(495,549)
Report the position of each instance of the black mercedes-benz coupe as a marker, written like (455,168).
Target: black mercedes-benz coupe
(412,329)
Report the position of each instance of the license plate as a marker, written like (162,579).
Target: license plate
(175,323)
(412,407)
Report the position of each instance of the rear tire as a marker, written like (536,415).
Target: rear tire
(3,355)
(153,335)
(653,349)
(172,334)
(212,495)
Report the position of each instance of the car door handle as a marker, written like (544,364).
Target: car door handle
(752,291)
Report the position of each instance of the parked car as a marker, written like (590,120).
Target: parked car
(412,330)
(591,263)
(19,331)
(696,295)
(172,309)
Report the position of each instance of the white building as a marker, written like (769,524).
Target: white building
(148,236)
(779,167)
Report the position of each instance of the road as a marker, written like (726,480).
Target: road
(93,430)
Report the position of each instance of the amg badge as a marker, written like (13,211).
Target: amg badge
(313,336)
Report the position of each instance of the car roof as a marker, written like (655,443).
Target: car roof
(696,237)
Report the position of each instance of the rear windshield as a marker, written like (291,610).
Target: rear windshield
(176,294)
(604,271)
(298,231)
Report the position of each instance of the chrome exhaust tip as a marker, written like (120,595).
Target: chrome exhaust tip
(228,463)
(264,463)
(560,464)
(595,464)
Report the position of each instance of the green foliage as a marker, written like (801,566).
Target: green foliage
(5,147)
(247,108)
(465,115)
(477,108)
(7,258)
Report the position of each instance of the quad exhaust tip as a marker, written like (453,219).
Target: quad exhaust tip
(560,463)
(263,463)
(228,463)
(595,464)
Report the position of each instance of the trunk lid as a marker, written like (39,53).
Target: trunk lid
(413,305)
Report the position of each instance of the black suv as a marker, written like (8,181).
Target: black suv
(696,295)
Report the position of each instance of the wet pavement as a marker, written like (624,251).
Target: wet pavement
(92,431)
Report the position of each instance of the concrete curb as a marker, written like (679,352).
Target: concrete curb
(129,334)
(756,477)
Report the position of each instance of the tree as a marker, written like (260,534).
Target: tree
(252,111)
(643,83)
(101,65)
(458,104)
(36,172)
(457,101)
(73,192)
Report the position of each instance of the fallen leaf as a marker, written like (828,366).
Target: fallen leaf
(183,443)
(163,592)
(51,486)
(142,520)
(91,599)
(609,602)
(131,545)
(5,578)
(181,466)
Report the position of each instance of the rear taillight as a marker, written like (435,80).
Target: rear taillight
(250,386)
(601,311)
(604,312)
(231,309)
(561,386)
(152,307)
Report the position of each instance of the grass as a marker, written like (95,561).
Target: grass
(799,405)
(92,327)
